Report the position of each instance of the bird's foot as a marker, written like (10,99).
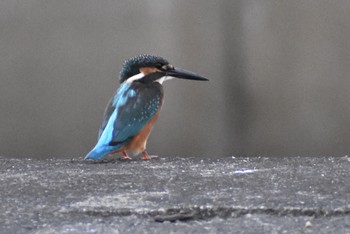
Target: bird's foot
(125,156)
(146,157)
(149,157)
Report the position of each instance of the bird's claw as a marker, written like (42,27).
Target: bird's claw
(146,157)
(126,158)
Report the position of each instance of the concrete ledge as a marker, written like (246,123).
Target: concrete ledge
(244,195)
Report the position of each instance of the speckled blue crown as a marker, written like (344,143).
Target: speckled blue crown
(132,65)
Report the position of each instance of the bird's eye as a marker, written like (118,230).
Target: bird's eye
(167,67)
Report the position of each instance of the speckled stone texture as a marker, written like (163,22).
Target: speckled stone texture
(176,195)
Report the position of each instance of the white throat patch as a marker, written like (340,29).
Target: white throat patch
(164,78)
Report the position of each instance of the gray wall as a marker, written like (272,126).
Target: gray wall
(279,74)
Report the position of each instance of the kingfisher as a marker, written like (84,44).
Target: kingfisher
(134,108)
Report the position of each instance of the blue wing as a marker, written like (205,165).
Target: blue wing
(128,112)
(107,114)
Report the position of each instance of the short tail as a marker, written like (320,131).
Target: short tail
(100,151)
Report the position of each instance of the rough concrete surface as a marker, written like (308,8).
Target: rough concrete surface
(176,195)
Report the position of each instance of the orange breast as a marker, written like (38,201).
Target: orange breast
(138,143)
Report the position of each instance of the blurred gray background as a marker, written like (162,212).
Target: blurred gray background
(279,75)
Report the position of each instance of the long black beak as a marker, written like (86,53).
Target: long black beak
(184,74)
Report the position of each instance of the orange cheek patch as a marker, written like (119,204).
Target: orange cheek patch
(148,70)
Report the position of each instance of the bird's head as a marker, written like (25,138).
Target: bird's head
(148,68)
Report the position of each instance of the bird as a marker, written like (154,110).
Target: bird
(134,108)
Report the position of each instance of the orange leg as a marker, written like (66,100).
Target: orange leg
(125,155)
(123,152)
(146,156)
